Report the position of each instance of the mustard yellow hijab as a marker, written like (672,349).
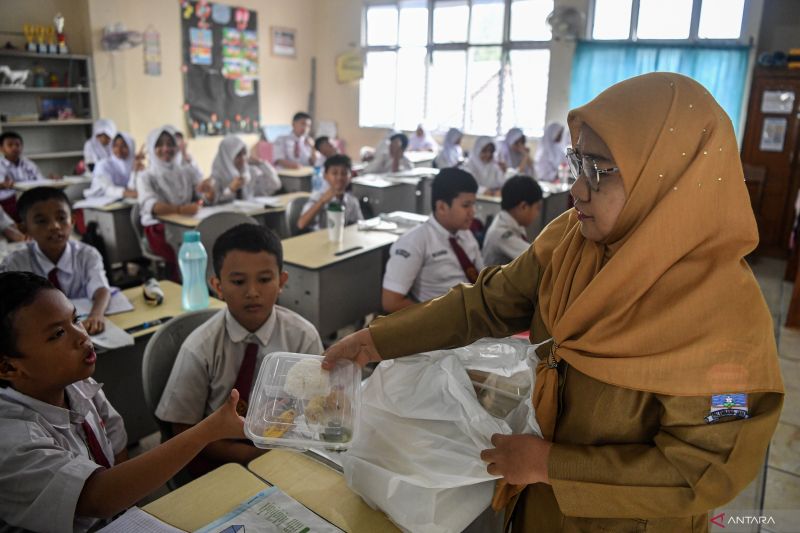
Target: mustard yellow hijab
(667,304)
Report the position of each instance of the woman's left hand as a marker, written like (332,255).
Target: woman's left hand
(520,459)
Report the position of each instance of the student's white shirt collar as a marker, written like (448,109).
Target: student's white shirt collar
(509,220)
(10,163)
(64,262)
(239,333)
(79,394)
(441,229)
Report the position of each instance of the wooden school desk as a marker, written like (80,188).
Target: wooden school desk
(207,498)
(272,217)
(296,179)
(320,488)
(120,369)
(420,159)
(384,195)
(114,226)
(332,291)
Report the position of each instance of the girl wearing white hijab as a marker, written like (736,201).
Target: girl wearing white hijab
(484,168)
(451,154)
(99,146)
(168,186)
(115,177)
(550,153)
(234,177)
(513,154)
(422,141)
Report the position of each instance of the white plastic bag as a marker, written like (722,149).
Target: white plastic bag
(417,456)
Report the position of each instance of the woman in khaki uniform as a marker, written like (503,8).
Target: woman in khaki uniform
(659,390)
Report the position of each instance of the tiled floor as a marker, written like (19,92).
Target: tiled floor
(782,489)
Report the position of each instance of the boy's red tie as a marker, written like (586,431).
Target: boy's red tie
(466,265)
(95,449)
(244,381)
(52,277)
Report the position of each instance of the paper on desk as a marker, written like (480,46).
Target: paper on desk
(96,201)
(118,304)
(137,521)
(270,511)
(266,201)
(113,337)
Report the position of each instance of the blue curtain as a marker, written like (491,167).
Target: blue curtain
(722,70)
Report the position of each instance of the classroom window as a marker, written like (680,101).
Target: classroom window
(478,65)
(675,20)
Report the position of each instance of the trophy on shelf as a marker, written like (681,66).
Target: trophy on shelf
(29,31)
(41,47)
(52,48)
(58,20)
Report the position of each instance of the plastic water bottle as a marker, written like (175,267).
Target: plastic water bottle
(316,179)
(192,259)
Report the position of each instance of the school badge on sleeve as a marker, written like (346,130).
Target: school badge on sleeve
(725,405)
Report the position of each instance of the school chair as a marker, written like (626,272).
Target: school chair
(212,227)
(159,357)
(156,261)
(293,212)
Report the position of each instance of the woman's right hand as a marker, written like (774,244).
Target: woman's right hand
(357,347)
(225,423)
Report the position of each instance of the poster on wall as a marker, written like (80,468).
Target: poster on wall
(773,133)
(220,68)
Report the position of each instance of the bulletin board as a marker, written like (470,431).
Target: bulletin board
(220,68)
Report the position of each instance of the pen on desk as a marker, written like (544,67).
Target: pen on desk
(147,325)
(348,250)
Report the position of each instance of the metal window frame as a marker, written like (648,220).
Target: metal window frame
(505,44)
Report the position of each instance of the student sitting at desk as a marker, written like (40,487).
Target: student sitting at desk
(98,146)
(506,239)
(63,462)
(422,141)
(116,176)
(325,149)
(227,350)
(168,186)
(74,267)
(236,178)
(484,168)
(296,149)
(512,153)
(9,228)
(451,153)
(435,256)
(14,167)
(183,156)
(391,160)
(337,175)
(550,154)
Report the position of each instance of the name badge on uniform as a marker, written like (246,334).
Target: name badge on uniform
(725,405)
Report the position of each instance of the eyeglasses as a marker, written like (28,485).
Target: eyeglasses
(583,165)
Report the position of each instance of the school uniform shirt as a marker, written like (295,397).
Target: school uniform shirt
(173,185)
(352,209)
(208,363)
(80,268)
(422,262)
(293,148)
(488,175)
(113,176)
(93,149)
(384,164)
(22,170)
(506,239)
(264,180)
(44,458)
(451,153)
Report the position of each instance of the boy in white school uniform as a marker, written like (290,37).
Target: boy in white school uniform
(227,351)
(14,168)
(432,258)
(337,176)
(507,237)
(296,149)
(392,158)
(71,266)
(63,458)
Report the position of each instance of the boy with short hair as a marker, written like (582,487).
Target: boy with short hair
(14,167)
(391,159)
(507,237)
(63,461)
(325,149)
(337,174)
(296,149)
(227,350)
(432,258)
(74,267)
